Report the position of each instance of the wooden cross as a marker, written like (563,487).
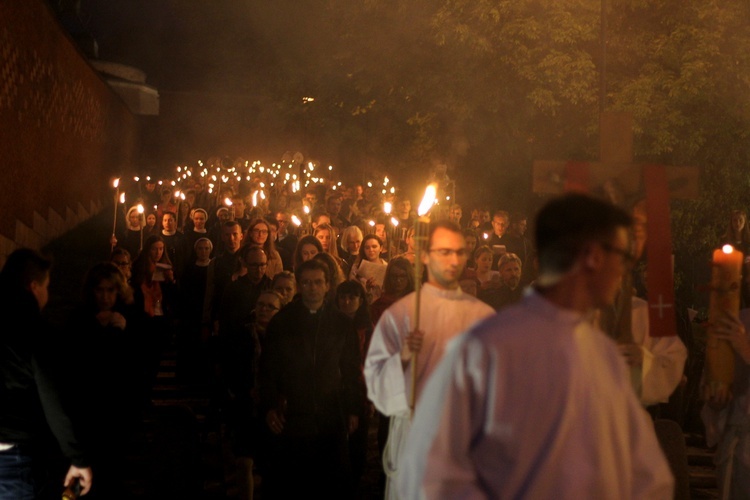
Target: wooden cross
(659,182)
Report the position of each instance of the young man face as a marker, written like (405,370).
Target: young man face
(445,258)
(313,287)
(232,237)
(615,259)
(169,223)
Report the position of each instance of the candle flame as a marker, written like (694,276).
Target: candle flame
(116,183)
(296,221)
(394,221)
(122,197)
(727,249)
(387,207)
(140,208)
(428,200)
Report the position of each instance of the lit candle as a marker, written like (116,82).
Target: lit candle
(725,298)
(116,185)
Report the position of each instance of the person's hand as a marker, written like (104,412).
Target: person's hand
(84,476)
(412,345)
(730,328)
(113,241)
(118,321)
(716,395)
(353,423)
(632,353)
(275,421)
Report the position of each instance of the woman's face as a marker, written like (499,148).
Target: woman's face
(105,294)
(199,220)
(308,251)
(134,218)
(348,304)
(399,279)
(259,234)
(151,220)
(203,250)
(372,249)
(484,262)
(156,251)
(324,237)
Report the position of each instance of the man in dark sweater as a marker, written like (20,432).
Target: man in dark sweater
(30,403)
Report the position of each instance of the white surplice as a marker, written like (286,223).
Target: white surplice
(534,402)
(444,314)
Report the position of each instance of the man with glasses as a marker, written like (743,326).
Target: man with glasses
(397,349)
(536,402)
(311,391)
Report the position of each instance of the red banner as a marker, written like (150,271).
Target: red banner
(660,284)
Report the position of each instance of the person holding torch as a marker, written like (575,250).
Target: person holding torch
(404,351)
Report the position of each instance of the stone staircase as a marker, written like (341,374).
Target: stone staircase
(701,468)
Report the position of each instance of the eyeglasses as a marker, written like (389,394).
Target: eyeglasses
(447,252)
(263,305)
(627,258)
(256,265)
(260,231)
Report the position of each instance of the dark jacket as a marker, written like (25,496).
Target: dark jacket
(30,403)
(311,369)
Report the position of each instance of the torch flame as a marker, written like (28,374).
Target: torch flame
(428,200)
(116,183)
(387,207)
(296,221)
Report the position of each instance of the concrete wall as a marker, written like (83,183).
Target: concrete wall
(64,134)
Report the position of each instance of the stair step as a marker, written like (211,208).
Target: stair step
(702,477)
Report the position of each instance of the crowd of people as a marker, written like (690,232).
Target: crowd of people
(474,351)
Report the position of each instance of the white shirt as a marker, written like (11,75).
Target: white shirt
(533,403)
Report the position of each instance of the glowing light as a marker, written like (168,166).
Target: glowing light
(296,221)
(428,200)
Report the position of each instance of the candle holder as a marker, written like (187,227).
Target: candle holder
(421,235)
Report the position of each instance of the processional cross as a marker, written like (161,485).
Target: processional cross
(651,214)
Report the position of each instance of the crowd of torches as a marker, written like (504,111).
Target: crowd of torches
(291,176)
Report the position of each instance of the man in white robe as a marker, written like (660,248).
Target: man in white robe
(536,402)
(445,311)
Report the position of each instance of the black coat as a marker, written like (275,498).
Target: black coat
(311,369)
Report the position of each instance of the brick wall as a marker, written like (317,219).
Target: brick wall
(64,134)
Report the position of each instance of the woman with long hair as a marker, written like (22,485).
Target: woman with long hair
(155,298)
(259,233)
(369,255)
(307,247)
